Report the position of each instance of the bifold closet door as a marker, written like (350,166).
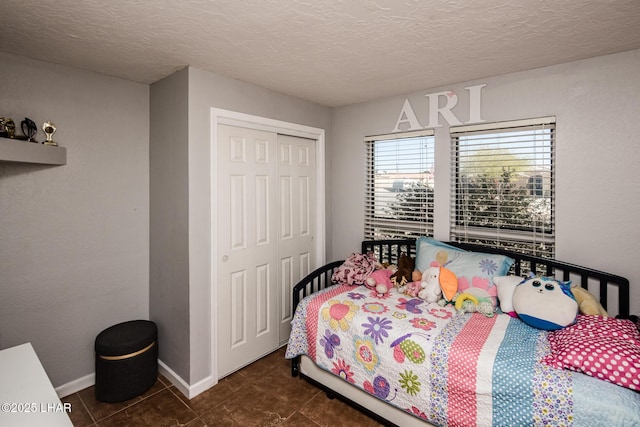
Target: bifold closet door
(266,194)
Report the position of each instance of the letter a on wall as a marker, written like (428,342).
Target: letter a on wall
(407,116)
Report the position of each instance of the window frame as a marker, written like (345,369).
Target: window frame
(373,203)
(538,240)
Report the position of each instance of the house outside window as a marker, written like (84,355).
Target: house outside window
(503,185)
(399,185)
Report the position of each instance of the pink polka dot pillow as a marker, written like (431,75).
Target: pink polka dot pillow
(602,347)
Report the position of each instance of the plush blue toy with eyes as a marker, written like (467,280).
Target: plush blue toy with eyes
(545,303)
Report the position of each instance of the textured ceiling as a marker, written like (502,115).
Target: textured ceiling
(334,52)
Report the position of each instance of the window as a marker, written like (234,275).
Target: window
(503,185)
(399,185)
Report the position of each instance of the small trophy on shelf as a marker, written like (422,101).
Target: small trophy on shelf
(49,129)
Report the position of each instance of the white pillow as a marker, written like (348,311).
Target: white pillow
(506,285)
(545,303)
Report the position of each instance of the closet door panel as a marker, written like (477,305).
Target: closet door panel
(296,172)
(247,267)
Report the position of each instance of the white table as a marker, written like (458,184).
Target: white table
(27,397)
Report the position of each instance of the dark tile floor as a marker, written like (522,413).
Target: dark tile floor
(261,394)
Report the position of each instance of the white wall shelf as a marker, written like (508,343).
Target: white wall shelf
(16,150)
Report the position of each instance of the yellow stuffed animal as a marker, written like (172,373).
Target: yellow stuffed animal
(587,303)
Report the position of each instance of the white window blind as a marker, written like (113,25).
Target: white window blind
(399,185)
(503,189)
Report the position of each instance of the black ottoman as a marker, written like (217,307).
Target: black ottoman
(126,360)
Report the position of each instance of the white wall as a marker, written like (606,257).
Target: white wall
(597,107)
(74,239)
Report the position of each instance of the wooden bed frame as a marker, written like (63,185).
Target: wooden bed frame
(612,291)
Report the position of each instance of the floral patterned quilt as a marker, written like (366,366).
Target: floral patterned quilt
(449,368)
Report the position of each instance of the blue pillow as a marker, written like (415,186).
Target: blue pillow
(473,269)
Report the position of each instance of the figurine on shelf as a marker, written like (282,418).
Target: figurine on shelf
(10,128)
(49,129)
(3,131)
(29,129)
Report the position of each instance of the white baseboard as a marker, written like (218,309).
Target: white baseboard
(76,385)
(190,391)
(202,386)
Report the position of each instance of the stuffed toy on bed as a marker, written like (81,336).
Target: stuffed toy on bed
(380,281)
(587,303)
(475,300)
(411,289)
(404,271)
(430,290)
(438,282)
(545,303)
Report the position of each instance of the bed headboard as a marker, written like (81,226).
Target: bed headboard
(612,290)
